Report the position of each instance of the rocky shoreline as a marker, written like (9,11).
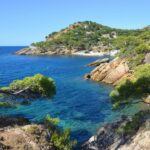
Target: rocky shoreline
(63,51)
(109,72)
(17,133)
(109,138)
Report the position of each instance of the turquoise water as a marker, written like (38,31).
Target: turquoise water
(81,105)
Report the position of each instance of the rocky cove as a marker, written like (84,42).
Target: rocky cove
(111,105)
(80,112)
(29,135)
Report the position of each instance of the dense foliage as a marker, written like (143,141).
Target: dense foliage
(133,125)
(60,139)
(129,89)
(38,85)
(133,48)
(84,36)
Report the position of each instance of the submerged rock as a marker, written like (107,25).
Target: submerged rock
(6,121)
(39,51)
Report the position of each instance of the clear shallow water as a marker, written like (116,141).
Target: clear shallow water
(81,105)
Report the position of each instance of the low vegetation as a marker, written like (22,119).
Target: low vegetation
(133,48)
(130,127)
(60,139)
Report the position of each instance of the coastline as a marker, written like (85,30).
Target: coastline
(38,51)
(82,53)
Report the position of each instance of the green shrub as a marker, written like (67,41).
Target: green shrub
(38,85)
(53,121)
(132,126)
(62,140)
(142,48)
(128,90)
(142,71)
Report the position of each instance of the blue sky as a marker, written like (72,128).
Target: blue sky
(26,21)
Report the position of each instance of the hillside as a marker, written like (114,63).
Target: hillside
(87,36)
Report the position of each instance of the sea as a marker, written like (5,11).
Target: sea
(81,105)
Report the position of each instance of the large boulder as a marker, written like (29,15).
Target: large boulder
(110,72)
(147,100)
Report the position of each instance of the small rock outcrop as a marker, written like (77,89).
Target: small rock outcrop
(147,100)
(40,51)
(98,62)
(87,77)
(31,51)
(110,72)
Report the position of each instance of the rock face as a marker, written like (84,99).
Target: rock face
(28,137)
(106,138)
(17,133)
(98,62)
(30,51)
(110,72)
(147,100)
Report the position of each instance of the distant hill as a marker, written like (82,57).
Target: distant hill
(81,36)
(84,36)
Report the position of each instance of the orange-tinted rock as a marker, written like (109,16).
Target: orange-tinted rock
(110,72)
(147,100)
